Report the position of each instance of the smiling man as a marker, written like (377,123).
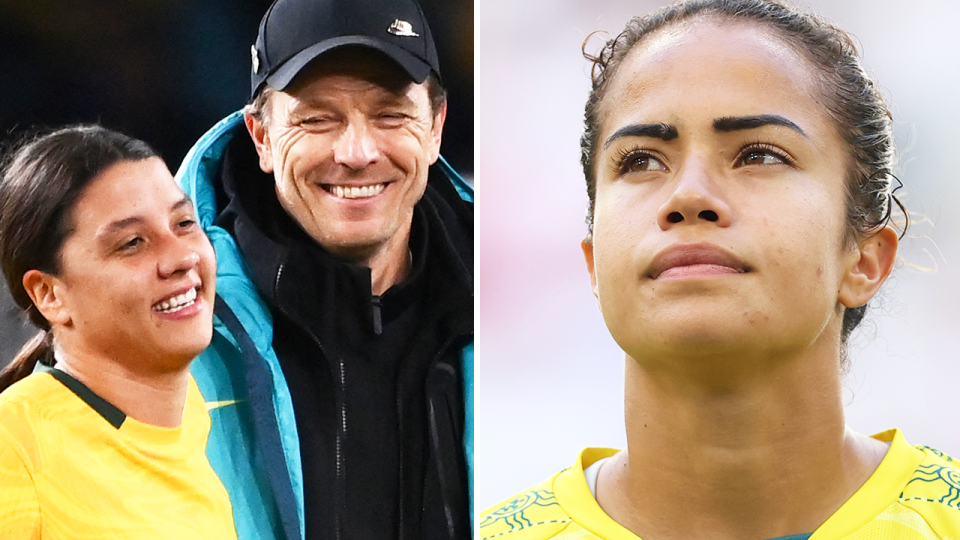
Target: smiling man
(343,347)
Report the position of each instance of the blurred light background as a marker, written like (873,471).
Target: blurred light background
(165,71)
(549,377)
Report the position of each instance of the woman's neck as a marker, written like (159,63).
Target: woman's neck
(155,398)
(757,456)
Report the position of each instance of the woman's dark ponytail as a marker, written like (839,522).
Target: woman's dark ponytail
(38,349)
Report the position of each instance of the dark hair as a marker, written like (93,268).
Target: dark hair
(43,176)
(852,99)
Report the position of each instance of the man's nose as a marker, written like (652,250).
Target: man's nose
(356,147)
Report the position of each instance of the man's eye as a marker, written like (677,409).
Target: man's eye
(391,118)
(315,121)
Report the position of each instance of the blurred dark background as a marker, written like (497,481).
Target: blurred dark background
(165,71)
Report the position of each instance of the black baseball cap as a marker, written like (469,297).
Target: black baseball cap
(295,32)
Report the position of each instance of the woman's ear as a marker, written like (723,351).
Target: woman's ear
(870,264)
(587,247)
(46,292)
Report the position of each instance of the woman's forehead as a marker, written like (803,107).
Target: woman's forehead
(732,67)
(124,189)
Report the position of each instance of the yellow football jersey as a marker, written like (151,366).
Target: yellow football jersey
(913,495)
(72,466)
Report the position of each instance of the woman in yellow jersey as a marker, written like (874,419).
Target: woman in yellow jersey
(103,435)
(739,165)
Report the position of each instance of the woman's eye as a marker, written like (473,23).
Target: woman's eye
(131,244)
(761,157)
(641,163)
(186,223)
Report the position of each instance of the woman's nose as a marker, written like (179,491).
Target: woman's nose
(696,198)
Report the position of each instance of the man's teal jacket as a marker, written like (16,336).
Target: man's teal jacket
(253,444)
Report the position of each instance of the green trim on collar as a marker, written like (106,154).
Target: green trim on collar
(103,407)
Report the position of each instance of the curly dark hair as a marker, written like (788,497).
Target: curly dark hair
(852,99)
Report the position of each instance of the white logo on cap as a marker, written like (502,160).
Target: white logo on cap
(254,58)
(402,28)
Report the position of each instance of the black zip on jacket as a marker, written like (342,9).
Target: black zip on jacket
(375,381)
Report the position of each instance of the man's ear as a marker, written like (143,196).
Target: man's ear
(261,140)
(587,246)
(870,264)
(436,133)
(46,292)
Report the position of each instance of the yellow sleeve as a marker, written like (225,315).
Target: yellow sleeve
(19,504)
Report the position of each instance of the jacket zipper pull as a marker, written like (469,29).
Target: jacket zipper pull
(377,322)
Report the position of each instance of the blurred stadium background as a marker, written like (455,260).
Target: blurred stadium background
(549,378)
(165,71)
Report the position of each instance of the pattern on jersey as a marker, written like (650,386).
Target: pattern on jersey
(934,483)
(526,510)
(935,452)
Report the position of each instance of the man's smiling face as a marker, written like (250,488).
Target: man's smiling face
(349,144)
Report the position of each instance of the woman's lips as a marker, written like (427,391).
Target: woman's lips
(690,261)
(696,271)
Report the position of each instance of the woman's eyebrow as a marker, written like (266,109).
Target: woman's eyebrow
(115,226)
(659,131)
(120,224)
(737,123)
(185,201)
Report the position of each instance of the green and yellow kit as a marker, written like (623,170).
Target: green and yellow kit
(913,495)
